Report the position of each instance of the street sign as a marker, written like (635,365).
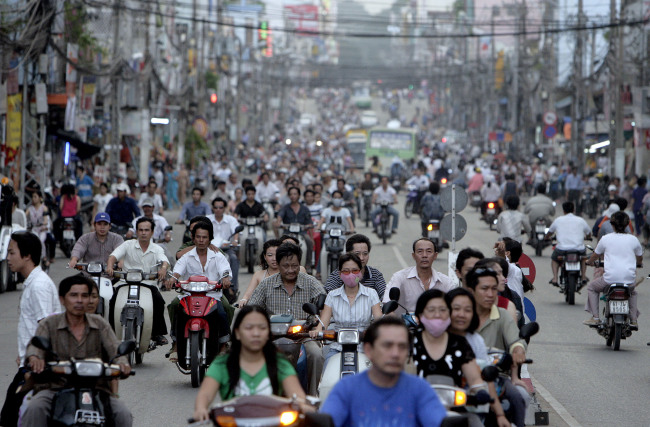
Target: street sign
(550,131)
(459,225)
(527,267)
(201,127)
(446,196)
(550,118)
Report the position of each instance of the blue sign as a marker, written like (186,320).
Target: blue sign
(550,131)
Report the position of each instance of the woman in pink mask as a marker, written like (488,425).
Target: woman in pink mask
(352,305)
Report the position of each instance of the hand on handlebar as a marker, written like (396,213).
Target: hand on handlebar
(225,282)
(36,364)
(126,369)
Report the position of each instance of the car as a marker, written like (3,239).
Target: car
(369,119)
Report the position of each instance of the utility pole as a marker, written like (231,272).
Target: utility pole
(115,108)
(616,134)
(576,107)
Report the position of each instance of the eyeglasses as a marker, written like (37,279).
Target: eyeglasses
(480,271)
(361,254)
(353,271)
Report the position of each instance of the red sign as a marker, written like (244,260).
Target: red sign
(304,17)
(527,267)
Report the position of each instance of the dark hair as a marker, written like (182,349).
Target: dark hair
(104,184)
(28,245)
(145,219)
(541,188)
(198,218)
(250,188)
(568,207)
(458,292)
(356,238)
(337,191)
(621,202)
(471,280)
(271,243)
(286,237)
(434,188)
(220,200)
(435,248)
(269,350)
(641,182)
(466,254)
(349,257)
(619,221)
(372,331)
(78,279)
(515,249)
(309,191)
(38,193)
(286,250)
(489,262)
(68,190)
(512,202)
(340,180)
(425,297)
(263,175)
(153,183)
(199,189)
(293,188)
(204,225)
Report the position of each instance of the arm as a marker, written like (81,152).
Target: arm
(338,407)
(182,215)
(207,393)
(292,387)
(255,281)
(78,204)
(350,225)
(376,311)
(110,265)
(182,252)
(380,284)
(325,317)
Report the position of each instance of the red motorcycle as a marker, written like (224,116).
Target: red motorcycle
(196,344)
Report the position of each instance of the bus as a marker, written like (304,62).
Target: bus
(361,94)
(356,141)
(386,144)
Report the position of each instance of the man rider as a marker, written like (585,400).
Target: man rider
(122,209)
(465,261)
(250,207)
(623,254)
(511,222)
(155,197)
(97,245)
(91,337)
(285,293)
(266,190)
(224,226)
(194,207)
(295,212)
(538,207)
(412,281)
(347,195)
(143,254)
(388,194)
(570,232)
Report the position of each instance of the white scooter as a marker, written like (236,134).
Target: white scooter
(253,239)
(295,230)
(95,270)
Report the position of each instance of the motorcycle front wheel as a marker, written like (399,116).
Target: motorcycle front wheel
(250,258)
(197,371)
(129,334)
(408,209)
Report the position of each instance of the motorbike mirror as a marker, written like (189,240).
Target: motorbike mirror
(41,343)
(490,373)
(310,308)
(239,229)
(125,347)
(589,247)
(528,330)
(169,228)
(320,301)
(389,307)
(394,294)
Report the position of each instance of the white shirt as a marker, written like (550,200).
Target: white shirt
(421,182)
(358,315)
(223,229)
(157,202)
(620,252)
(134,258)
(39,299)
(332,216)
(159,229)
(515,277)
(411,287)
(570,231)
(386,194)
(102,201)
(216,267)
(270,191)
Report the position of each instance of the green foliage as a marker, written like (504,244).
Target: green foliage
(458,6)
(211,80)
(195,146)
(77,33)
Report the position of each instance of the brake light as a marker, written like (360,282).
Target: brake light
(430,227)
(443,181)
(618,295)
(572,258)
(491,205)
(288,417)
(460,398)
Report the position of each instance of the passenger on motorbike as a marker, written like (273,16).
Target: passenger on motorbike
(348,196)
(266,189)
(438,352)
(253,366)
(504,298)
(511,222)
(94,338)
(295,212)
(97,245)
(69,207)
(570,232)
(122,209)
(269,268)
(143,254)
(420,181)
(540,206)
(385,193)
(490,192)
(623,254)
(465,261)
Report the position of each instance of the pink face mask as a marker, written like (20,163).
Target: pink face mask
(435,327)
(351,280)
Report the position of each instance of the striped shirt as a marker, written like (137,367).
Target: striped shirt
(273,296)
(372,278)
(356,316)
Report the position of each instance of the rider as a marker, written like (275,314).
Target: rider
(388,194)
(490,192)
(143,254)
(540,206)
(122,209)
(194,207)
(160,232)
(250,207)
(570,232)
(266,190)
(151,193)
(336,213)
(224,226)
(430,207)
(347,195)
(623,254)
(510,222)
(295,212)
(97,245)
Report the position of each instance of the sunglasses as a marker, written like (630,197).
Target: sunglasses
(353,271)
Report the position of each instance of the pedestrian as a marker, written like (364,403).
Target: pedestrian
(172,187)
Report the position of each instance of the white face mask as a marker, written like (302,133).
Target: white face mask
(337,202)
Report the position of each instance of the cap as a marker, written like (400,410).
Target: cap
(611,188)
(123,186)
(147,202)
(103,216)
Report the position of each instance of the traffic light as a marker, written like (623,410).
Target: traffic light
(264,39)
(213,98)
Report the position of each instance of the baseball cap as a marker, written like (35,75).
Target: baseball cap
(611,188)
(103,216)
(147,202)
(123,186)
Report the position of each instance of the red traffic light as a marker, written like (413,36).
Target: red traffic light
(213,98)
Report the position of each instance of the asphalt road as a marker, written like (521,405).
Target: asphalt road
(580,381)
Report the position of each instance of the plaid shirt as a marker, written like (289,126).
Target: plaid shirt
(272,295)
(372,278)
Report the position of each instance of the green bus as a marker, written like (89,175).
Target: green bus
(387,143)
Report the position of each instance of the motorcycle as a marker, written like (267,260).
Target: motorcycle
(253,238)
(104,284)
(412,201)
(121,229)
(537,240)
(367,206)
(133,310)
(333,248)
(68,241)
(492,211)
(570,274)
(589,202)
(475,200)
(269,208)
(193,330)
(433,233)
(80,403)
(382,221)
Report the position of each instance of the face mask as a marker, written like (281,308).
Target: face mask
(351,280)
(435,327)
(337,202)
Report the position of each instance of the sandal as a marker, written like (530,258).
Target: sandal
(173,357)
(554,283)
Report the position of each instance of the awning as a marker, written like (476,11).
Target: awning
(564,102)
(84,150)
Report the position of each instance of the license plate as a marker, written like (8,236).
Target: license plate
(619,307)
(540,228)
(491,211)
(477,198)
(434,233)
(572,266)
(335,232)
(68,234)
(294,229)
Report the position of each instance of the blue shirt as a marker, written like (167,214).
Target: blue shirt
(122,212)
(573,182)
(85,187)
(190,210)
(356,401)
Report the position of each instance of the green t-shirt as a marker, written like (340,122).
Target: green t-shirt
(248,385)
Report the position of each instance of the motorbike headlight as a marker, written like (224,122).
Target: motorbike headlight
(335,232)
(94,267)
(288,417)
(197,287)
(450,396)
(279,328)
(89,369)
(347,337)
(134,276)
(294,228)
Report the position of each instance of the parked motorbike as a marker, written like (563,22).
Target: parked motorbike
(333,248)
(253,238)
(104,284)
(195,346)
(68,241)
(382,221)
(80,403)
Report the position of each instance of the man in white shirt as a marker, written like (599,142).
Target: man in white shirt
(570,232)
(224,226)
(385,193)
(143,254)
(155,198)
(266,190)
(160,231)
(413,281)
(418,179)
(623,253)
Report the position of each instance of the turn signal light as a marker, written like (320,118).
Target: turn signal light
(289,417)
(491,205)
(295,329)
(460,399)
(430,227)
(226,421)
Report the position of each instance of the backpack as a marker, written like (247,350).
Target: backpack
(509,190)
(431,207)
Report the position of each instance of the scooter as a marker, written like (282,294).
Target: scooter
(193,330)
(475,200)
(295,230)
(412,201)
(367,206)
(538,241)
(253,238)
(68,241)
(133,310)
(95,270)
(80,403)
(433,233)
(570,275)
(269,208)
(492,211)
(382,221)
(333,248)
